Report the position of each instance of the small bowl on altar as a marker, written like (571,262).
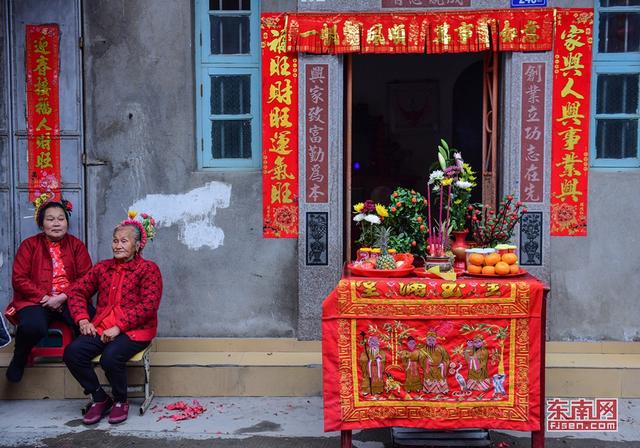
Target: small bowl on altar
(445,263)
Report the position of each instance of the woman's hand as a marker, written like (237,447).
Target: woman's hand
(87,328)
(110,334)
(54,302)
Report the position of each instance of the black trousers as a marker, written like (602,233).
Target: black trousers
(34,325)
(115,354)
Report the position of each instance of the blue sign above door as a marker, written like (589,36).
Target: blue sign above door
(527,3)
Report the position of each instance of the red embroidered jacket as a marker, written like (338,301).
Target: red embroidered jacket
(33,268)
(140,293)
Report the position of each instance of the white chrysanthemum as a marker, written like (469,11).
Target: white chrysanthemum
(435,175)
(463,184)
(435,188)
(373,219)
(359,217)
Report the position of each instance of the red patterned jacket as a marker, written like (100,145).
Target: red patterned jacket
(33,268)
(140,293)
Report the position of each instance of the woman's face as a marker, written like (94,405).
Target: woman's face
(124,244)
(55,223)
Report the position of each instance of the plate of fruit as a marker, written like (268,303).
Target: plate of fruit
(493,265)
(385,264)
(367,269)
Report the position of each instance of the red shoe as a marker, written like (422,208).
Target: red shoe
(119,412)
(97,411)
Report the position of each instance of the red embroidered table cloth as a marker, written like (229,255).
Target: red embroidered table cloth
(417,352)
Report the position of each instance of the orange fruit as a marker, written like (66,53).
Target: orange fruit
(510,258)
(514,269)
(502,268)
(488,270)
(491,259)
(477,259)
(473,269)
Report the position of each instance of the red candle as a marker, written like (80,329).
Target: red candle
(429,199)
(440,218)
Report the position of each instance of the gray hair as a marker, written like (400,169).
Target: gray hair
(135,228)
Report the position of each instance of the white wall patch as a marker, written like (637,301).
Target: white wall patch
(193,212)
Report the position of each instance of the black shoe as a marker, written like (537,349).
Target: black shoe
(15,371)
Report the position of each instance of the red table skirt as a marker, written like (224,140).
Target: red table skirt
(432,354)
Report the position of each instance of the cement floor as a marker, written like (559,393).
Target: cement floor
(239,422)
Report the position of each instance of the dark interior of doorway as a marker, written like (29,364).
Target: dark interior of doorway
(402,105)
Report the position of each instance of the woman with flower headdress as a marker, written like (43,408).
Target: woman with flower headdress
(43,268)
(129,290)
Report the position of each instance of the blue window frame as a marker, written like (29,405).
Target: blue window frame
(228,83)
(615,106)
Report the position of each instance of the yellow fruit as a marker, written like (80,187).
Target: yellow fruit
(514,269)
(488,270)
(502,268)
(477,259)
(473,269)
(510,258)
(491,259)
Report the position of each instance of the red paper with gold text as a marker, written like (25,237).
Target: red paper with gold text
(570,122)
(43,109)
(279,131)
(476,362)
(441,32)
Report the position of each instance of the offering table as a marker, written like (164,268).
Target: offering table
(434,354)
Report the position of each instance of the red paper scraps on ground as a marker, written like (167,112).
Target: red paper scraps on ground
(187,411)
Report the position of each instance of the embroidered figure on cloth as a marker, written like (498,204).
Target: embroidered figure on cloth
(477,357)
(434,360)
(372,363)
(410,361)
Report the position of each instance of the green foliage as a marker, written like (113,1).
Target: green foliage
(408,221)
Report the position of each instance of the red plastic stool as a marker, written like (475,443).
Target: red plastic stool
(59,333)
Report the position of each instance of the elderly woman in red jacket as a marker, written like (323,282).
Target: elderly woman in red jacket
(44,267)
(129,291)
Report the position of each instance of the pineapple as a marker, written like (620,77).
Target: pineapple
(385,260)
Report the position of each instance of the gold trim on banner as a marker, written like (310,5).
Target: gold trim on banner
(515,408)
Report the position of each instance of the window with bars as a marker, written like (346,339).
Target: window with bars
(615,137)
(228,83)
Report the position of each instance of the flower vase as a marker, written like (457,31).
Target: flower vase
(458,248)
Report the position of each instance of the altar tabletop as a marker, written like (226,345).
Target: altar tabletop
(430,353)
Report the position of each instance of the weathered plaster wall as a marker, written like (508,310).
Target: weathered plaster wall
(594,280)
(221,277)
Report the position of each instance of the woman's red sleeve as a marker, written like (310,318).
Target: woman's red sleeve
(80,293)
(21,276)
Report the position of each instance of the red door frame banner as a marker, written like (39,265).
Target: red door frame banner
(570,122)
(279,131)
(567,31)
(42,69)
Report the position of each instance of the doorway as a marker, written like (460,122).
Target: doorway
(16,223)
(400,108)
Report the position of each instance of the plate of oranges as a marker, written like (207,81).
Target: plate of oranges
(493,264)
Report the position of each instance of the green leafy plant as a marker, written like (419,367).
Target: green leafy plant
(407,221)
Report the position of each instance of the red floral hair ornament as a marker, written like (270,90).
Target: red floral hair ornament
(146,225)
(44,199)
